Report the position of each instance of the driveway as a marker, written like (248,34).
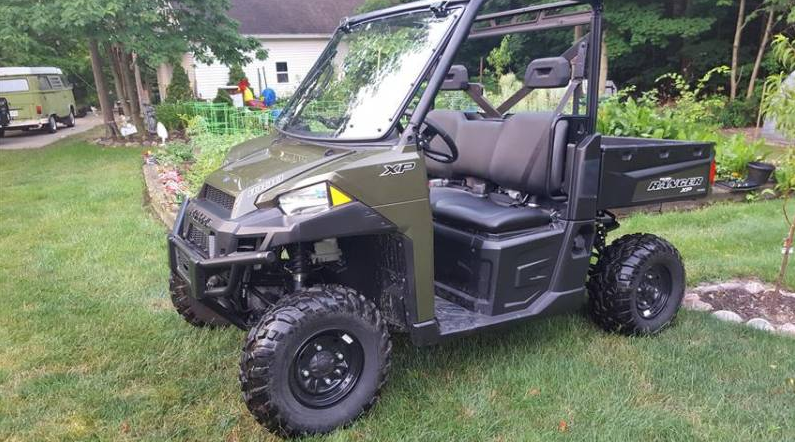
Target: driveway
(17,139)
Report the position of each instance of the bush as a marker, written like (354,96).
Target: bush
(739,113)
(785,173)
(223,97)
(176,154)
(170,114)
(213,150)
(179,89)
(236,74)
(733,154)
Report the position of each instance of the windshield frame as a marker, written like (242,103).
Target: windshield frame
(454,7)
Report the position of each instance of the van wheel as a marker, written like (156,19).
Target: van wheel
(316,362)
(192,311)
(637,286)
(70,120)
(52,125)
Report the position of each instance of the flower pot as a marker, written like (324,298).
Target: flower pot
(759,173)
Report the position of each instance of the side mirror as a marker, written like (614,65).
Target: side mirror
(457,79)
(548,73)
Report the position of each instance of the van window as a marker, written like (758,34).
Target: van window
(14,85)
(44,84)
(65,82)
(55,82)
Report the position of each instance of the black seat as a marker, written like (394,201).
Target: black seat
(487,213)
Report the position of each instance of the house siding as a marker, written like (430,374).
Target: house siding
(300,55)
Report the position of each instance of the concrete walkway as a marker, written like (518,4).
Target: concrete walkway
(17,139)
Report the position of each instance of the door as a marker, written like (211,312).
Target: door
(18,91)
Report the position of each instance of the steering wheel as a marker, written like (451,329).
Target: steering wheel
(427,134)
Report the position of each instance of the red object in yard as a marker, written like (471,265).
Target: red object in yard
(38,109)
(713,170)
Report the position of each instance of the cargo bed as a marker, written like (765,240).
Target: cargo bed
(640,171)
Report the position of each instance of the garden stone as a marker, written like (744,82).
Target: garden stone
(727,286)
(761,324)
(693,302)
(725,315)
(787,329)
(754,288)
(788,294)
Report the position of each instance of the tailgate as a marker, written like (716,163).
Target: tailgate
(638,171)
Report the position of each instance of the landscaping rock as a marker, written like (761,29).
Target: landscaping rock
(728,286)
(725,315)
(754,288)
(761,324)
(693,302)
(787,329)
(709,288)
(787,294)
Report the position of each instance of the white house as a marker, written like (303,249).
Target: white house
(294,32)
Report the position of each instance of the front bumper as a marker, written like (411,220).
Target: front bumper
(269,228)
(186,260)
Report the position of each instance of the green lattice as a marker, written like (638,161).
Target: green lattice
(222,119)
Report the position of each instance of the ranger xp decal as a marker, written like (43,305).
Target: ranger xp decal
(398,169)
(686,184)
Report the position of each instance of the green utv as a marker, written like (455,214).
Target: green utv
(375,209)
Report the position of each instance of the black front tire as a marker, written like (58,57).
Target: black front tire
(353,333)
(192,311)
(637,285)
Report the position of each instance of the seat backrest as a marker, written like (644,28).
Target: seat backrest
(522,153)
(512,153)
(475,139)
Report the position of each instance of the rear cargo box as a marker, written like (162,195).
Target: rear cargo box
(639,171)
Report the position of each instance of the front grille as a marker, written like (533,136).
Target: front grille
(198,238)
(219,197)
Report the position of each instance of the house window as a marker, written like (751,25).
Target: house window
(281,72)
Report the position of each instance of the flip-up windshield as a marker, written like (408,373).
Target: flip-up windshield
(364,77)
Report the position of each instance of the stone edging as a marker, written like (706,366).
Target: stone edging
(693,301)
(156,196)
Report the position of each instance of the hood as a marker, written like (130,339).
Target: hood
(260,164)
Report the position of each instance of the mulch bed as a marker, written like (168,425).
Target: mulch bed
(775,307)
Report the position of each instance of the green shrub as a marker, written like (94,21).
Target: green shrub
(785,173)
(223,97)
(213,150)
(179,89)
(733,154)
(739,113)
(236,74)
(170,114)
(176,154)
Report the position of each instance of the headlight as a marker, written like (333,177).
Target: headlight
(312,199)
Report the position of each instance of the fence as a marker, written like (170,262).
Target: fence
(222,119)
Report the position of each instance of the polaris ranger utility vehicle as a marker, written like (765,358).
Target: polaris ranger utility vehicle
(373,209)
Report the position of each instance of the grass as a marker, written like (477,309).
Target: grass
(90,349)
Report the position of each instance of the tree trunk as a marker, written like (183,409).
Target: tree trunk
(603,65)
(115,65)
(111,131)
(760,54)
(738,32)
(139,86)
(129,88)
(785,260)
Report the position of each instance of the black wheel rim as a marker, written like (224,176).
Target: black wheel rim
(654,290)
(326,368)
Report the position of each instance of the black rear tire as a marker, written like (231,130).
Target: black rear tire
(192,311)
(637,285)
(52,125)
(69,121)
(293,385)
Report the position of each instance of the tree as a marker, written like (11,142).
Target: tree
(236,74)
(156,30)
(179,89)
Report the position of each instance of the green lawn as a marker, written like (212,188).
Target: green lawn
(90,349)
